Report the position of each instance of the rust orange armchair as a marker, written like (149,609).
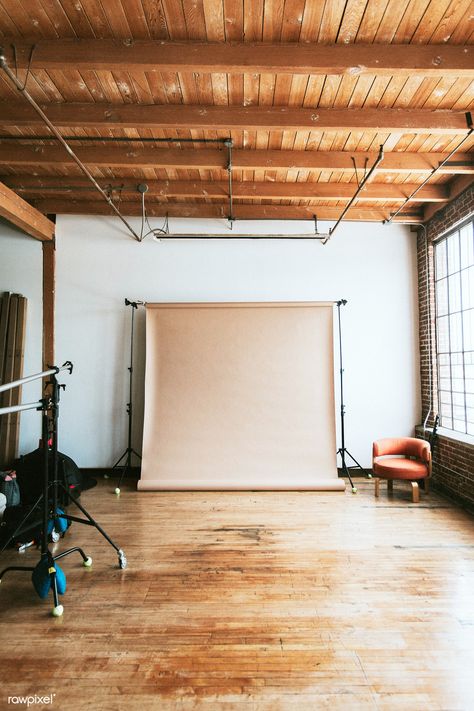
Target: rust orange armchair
(401,458)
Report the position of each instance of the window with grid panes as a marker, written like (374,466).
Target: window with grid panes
(454,290)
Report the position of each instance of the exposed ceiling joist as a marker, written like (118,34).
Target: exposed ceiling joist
(241,212)
(34,186)
(20,213)
(121,155)
(227,118)
(455,187)
(242,58)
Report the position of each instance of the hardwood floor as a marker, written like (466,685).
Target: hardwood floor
(261,601)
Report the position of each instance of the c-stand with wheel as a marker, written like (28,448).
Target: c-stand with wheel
(45,573)
(127,455)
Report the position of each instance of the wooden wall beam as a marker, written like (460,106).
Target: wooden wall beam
(49,292)
(242,58)
(122,155)
(251,118)
(245,212)
(17,211)
(36,187)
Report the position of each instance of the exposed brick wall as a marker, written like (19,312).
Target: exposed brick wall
(453,461)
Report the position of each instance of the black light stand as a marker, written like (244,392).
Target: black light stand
(49,406)
(343,451)
(127,466)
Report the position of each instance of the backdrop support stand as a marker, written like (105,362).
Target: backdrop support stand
(129,452)
(343,451)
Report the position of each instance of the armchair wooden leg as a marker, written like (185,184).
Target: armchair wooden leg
(377,486)
(427,485)
(415,489)
(390,486)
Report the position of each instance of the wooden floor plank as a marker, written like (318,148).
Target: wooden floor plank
(244,600)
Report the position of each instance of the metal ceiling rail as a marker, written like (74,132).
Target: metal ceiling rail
(362,184)
(22,89)
(435,170)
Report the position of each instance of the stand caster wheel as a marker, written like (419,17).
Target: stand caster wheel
(117,491)
(106,476)
(55,536)
(57,611)
(87,563)
(122,560)
(354,489)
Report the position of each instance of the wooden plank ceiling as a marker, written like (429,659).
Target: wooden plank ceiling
(306,90)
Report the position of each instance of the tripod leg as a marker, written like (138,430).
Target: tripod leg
(127,467)
(346,470)
(58,609)
(369,476)
(86,559)
(92,522)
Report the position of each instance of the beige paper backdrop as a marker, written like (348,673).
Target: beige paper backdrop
(239,396)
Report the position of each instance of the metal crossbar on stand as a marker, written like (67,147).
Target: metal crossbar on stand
(48,500)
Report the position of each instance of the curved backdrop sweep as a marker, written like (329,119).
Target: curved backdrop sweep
(239,396)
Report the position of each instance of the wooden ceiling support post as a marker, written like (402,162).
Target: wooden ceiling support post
(49,290)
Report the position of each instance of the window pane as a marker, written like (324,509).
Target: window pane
(445,410)
(468,325)
(443,334)
(457,371)
(455,333)
(441,270)
(452,244)
(445,397)
(467,245)
(454,293)
(467,280)
(444,371)
(442,297)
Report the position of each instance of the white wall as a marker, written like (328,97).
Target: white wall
(99,264)
(21,265)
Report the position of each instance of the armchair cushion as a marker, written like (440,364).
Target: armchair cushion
(399,468)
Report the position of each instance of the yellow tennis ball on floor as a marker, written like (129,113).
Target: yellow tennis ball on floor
(117,490)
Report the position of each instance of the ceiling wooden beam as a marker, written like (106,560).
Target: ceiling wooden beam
(454,188)
(121,155)
(251,118)
(242,58)
(35,186)
(14,209)
(244,212)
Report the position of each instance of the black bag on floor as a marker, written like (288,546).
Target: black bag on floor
(13,516)
(29,472)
